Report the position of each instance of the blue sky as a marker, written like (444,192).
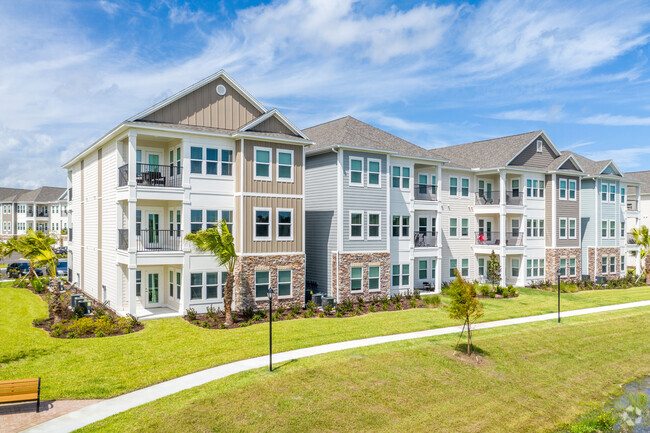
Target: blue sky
(434,73)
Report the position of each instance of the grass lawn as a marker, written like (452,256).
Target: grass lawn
(532,378)
(168,348)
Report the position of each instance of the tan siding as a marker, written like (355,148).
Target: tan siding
(272,186)
(530,158)
(548,210)
(272,124)
(237,225)
(204,107)
(273,246)
(568,209)
(237,159)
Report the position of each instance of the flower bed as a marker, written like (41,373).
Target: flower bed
(487,291)
(571,286)
(215,318)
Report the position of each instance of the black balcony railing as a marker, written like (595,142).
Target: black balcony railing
(487,238)
(426,192)
(487,198)
(630,239)
(152,240)
(425,239)
(515,238)
(632,206)
(152,175)
(514,198)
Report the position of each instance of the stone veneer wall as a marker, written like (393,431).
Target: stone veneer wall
(552,262)
(244,290)
(598,253)
(348,260)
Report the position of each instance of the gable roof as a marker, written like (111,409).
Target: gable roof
(565,157)
(273,114)
(589,166)
(44,194)
(641,176)
(493,153)
(350,132)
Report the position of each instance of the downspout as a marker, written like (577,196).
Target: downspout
(337,227)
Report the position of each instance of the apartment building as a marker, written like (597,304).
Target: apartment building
(366,192)
(207,153)
(638,214)
(43,209)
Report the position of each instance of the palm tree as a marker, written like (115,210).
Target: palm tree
(219,242)
(36,247)
(642,239)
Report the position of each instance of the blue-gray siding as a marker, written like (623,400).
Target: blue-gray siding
(588,226)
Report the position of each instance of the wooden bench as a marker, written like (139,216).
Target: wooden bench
(16,391)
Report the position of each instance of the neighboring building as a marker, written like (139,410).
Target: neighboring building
(210,152)
(43,209)
(366,191)
(638,213)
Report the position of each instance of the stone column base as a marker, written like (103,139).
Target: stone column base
(346,261)
(596,255)
(552,263)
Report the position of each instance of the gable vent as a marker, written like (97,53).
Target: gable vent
(221,89)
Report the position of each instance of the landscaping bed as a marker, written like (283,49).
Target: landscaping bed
(578,285)
(215,318)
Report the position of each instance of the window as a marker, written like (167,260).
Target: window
(622,262)
(196,160)
(401,177)
(400,278)
(453,227)
(572,228)
(406,271)
(612,264)
(262,224)
(612,193)
(464,267)
(603,228)
(211,218)
(356,278)
(178,161)
(138,222)
(356,225)
(356,171)
(453,266)
(535,268)
(225,215)
(226,162)
(622,195)
(464,187)
(285,165)
(211,285)
(535,228)
(196,286)
(612,229)
(529,187)
(464,227)
(572,266)
(563,267)
(284,282)
(572,189)
(178,285)
(405,226)
(563,228)
(373,277)
(539,146)
(395,276)
(211,161)
(622,229)
(261,284)
(285,224)
(374,167)
(453,186)
(481,267)
(401,230)
(515,228)
(196,220)
(514,267)
(515,187)
(541,189)
(603,265)
(423,269)
(563,189)
(534,188)
(138,283)
(262,164)
(373,226)
(603,192)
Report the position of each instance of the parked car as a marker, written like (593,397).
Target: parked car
(20,269)
(63,251)
(62,269)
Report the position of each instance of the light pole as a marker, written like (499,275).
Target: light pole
(559,274)
(270,293)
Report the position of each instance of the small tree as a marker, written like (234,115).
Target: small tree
(642,239)
(464,305)
(36,247)
(219,242)
(494,269)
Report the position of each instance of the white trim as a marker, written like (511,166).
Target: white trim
(277,224)
(255,283)
(350,237)
(277,165)
(575,235)
(350,171)
(361,289)
(368,161)
(548,140)
(272,138)
(611,162)
(574,160)
(270,211)
(457,235)
(378,277)
(469,187)
(274,113)
(575,189)
(540,146)
(270,163)
(220,74)
(290,283)
(377,238)
(263,194)
(565,189)
(457,186)
(566,228)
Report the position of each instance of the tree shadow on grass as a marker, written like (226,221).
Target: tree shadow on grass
(23,354)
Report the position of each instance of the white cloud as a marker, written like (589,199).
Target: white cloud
(109,7)
(615,120)
(551,114)
(626,158)
(579,144)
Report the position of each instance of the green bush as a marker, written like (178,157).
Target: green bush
(416,295)
(372,308)
(413,303)
(308,313)
(311,306)
(83,326)
(247,313)
(398,306)
(191,314)
(595,421)
(360,301)
(211,312)
(339,313)
(492,294)
(432,301)
(295,309)
(512,291)
(345,306)
(205,324)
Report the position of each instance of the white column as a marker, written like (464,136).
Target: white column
(503,225)
(438,277)
(130,220)
(131,289)
(131,152)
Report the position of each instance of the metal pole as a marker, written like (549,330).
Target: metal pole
(270,332)
(558,297)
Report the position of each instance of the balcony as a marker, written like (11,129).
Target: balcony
(630,239)
(486,238)
(515,238)
(486,198)
(150,240)
(514,198)
(426,192)
(632,206)
(425,239)
(153,175)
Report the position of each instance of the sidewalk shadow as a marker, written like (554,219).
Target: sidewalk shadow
(279,366)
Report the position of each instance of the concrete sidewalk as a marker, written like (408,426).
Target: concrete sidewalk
(104,409)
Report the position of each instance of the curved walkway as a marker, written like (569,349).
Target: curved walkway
(104,409)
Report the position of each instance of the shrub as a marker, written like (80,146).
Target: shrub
(385,302)
(372,308)
(191,314)
(339,313)
(79,312)
(346,306)
(247,313)
(416,295)
(595,421)
(134,320)
(21,284)
(205,324)
(291,315)
(484,289)
(397,299)
(211,312)
(398,306)
(100,334)
(360,301)
(308,313)
(72,335)
(256,318)
(98,312)
(277,316)
(384,307)
(413,303)
(512,291)
(83,326)
(311,306)
(222,325)
(492,294)
(504,293)
(280,309)
(57,330)
(432,301)
(37,285)
(328,308)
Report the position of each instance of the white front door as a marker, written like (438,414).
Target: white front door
(153,289)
